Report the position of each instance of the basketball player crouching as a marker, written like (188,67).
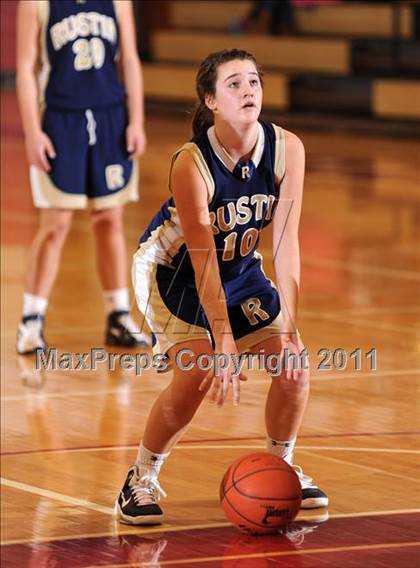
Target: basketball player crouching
(199,280)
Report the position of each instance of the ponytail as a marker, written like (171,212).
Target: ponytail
(202,118)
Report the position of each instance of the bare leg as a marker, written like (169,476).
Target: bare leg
(176,405)
(286,400)
(170,416)
(285,407)
(45,252)
(111,251)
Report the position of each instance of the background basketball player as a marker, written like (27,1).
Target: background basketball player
(83,133)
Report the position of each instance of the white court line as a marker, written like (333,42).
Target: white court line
(42,394)
(374,311)
(119,531)
(196,446)
(370,514)
(322,376)
(109,511)
(273,556)
(358,449)
(327,448)
(328,376)
(362,268)
(378,325)
(56,496)
(365,467)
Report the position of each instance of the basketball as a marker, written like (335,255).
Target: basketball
(260,493)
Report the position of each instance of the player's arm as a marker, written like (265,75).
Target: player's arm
(286,250)
(38,145)
(133,80)
(190,194)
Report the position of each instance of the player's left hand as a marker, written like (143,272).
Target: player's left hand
(136,140)
(292,349)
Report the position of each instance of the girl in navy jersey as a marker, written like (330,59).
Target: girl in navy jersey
(199,281)
(83,134)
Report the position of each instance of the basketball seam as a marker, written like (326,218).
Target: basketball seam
(233,475)
(259,525)
(269,498)
(287,469)
(235,482)
(265,454)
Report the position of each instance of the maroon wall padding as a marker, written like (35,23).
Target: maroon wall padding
(8,35)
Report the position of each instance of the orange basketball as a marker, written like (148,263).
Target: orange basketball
(260,493)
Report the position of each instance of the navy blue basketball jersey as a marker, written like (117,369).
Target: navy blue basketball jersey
(79,41)
(242,199)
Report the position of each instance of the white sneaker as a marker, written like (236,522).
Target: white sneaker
(30,335)
(312,496)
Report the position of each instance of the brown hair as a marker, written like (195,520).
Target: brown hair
(206,83)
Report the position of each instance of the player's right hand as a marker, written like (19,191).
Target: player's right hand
(225,376)
(38,149)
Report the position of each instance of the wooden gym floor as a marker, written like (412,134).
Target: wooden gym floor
(68,436)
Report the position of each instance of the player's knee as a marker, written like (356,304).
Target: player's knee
(189,381)
(193,376)
(293,387)
(107,221)
(56,232)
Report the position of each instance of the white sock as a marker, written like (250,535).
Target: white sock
(116,300)
(282,449)
(150,463)
(34,304)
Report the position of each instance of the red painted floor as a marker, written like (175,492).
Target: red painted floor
(374,542)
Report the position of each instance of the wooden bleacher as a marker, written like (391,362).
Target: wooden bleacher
(315,70)
(352,19)
(396,98)
(276,52)
(196,15)
(177,84)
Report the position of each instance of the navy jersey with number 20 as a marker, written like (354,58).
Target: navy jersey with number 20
(79,60)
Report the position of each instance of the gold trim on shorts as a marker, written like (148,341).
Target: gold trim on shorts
(247,342)
(167,328)
(130,192)
(47,195)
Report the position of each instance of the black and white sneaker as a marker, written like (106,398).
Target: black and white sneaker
(312,496)
(121,331)
(137,501)
(30,335)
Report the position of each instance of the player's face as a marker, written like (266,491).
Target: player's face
(238,96)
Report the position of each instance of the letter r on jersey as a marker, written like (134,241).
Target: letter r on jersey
(252,308)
